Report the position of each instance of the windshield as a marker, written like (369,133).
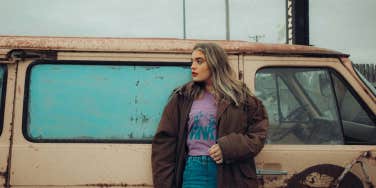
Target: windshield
(365,81)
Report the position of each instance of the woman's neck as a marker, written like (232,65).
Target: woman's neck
(209,87)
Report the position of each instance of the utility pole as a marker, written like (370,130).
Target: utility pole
(184,24)
(227,20)
(297,22)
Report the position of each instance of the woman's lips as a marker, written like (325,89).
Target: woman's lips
(194,74)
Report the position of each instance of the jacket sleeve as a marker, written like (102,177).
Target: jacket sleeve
(243,146)
(164,146)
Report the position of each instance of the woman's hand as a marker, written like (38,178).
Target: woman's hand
(215,153)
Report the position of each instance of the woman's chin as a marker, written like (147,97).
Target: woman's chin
(196,80)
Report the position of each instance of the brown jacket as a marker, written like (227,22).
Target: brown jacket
(241,136)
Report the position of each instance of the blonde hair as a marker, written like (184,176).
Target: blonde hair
(225,84)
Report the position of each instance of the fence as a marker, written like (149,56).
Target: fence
(369,71)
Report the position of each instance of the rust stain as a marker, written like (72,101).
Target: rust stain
(369,156)
(323,175)
(318,180)
(19,54)
(153,45)
(118,185)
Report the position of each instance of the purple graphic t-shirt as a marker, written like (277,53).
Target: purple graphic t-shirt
(202,125)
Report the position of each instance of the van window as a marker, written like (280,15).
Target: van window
(359,127)
(3,80)
(298,112)
(98,102)
(365,81)
(312,106)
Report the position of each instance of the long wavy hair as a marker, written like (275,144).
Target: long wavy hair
(224,81)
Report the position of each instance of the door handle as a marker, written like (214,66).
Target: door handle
(271,172)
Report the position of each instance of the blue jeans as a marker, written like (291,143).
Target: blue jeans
(200,171)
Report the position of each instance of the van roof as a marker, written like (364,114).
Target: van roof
(152,45)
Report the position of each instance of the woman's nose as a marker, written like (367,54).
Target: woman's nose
(193,66)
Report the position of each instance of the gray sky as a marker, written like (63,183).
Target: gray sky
(144,18)
(344,25)
(104,18)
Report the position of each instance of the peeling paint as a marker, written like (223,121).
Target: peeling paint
(318,180)
(130,135)
(152,67)
(144,118)
(159,77)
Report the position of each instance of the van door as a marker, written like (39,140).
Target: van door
(7,84)
(321,123)
(87,119)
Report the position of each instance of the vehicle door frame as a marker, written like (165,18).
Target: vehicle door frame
(277,158)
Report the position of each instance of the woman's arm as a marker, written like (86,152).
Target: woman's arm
(164,146)
(238,146)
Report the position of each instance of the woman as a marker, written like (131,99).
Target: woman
(211,129)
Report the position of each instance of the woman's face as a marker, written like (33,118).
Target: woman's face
(199,67)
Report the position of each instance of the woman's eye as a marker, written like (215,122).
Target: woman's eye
(199,61)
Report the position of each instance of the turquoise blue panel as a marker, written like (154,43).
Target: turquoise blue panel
(2,73)
(99,101)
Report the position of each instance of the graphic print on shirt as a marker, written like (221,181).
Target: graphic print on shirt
(202,125)
(201,129)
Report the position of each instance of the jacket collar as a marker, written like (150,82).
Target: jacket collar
(222,106)
(186,89)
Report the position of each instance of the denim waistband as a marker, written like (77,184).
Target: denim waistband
(201,158)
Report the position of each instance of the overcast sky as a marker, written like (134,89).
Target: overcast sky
(344,25)
(144,18)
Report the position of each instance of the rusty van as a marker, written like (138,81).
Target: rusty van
(81,112)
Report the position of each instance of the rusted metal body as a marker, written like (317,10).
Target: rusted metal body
(40,162)
(152,45)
